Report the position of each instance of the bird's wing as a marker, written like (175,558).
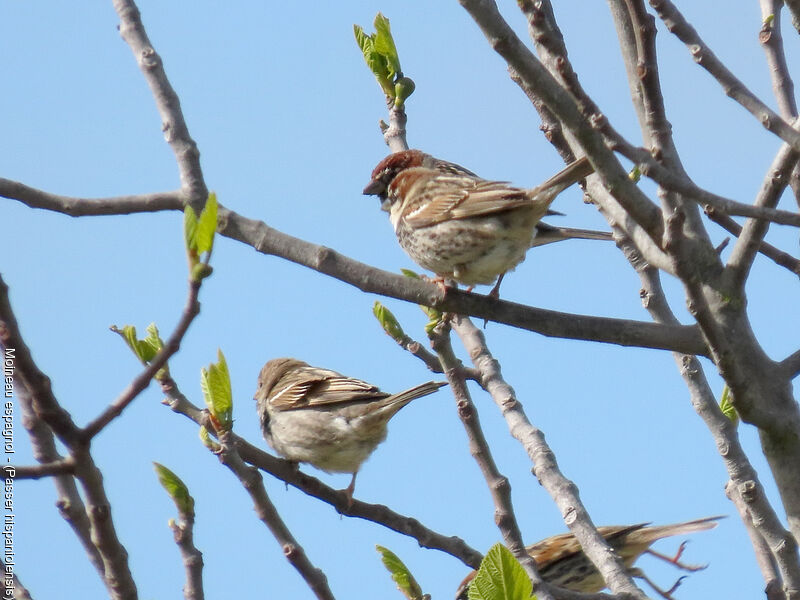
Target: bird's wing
(315,387)
(461,197)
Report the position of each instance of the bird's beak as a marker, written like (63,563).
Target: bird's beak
(374,188)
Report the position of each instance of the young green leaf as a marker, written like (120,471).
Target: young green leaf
(190,233)
(205,437)
(388,321)
(207,226)
(145,349)
(726,406)
(176,489)
(384,45)
(216,385)
(500,577)
(400,574)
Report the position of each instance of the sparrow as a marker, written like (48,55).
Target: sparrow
(463,227)
(561,561)
(324,418)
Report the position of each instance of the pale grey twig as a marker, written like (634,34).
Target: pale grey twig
(167,102)
(498,484)
(253,483)
(563,491)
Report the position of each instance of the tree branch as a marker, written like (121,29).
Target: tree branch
(562,490)
(499,487)
(32,383)
(779,257)
(254,485)
(731,85)
(167,102)
(772,42)
(65,466)
(270,241)
(743,476)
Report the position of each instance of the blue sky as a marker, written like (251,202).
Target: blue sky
(285,114)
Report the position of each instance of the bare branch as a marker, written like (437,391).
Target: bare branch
(32,383)
(562,490)
(46,469)
(753,232)
(779,257)
(369,279)
(499,487)
(167,102)
(254,484)
(743,476)
(17,591)
(288,472)
(731,85)
(81,207)
(70,504)
(791,365)
(764,557)
(772,42)
(183,532)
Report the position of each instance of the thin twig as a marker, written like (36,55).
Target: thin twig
(499,487)
(772,42)
(167,102)
(753,232)
(779,257)
(64,466)
(563,491)
(731,85)
(183,532)
(254,485)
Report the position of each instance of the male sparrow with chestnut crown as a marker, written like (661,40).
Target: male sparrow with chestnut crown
(323,418)
(561,561)
(463,227)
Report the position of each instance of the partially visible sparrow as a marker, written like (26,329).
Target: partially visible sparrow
(323,418)
(463,227)
(561,561)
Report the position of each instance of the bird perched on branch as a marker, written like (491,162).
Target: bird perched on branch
(324,418)
(561,561)
(463,227)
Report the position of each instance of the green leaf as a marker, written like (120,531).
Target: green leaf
(205,437)
(176,489)
(190,230)
(388,322)
(500,577)
(216,384)
(410,274)
(363,40)
(726,405)
(376,61)
(384,45)
(207,225)
(400,574)
(145,349)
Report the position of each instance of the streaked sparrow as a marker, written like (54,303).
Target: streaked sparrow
(324,418)
(463,227)
(561,561)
